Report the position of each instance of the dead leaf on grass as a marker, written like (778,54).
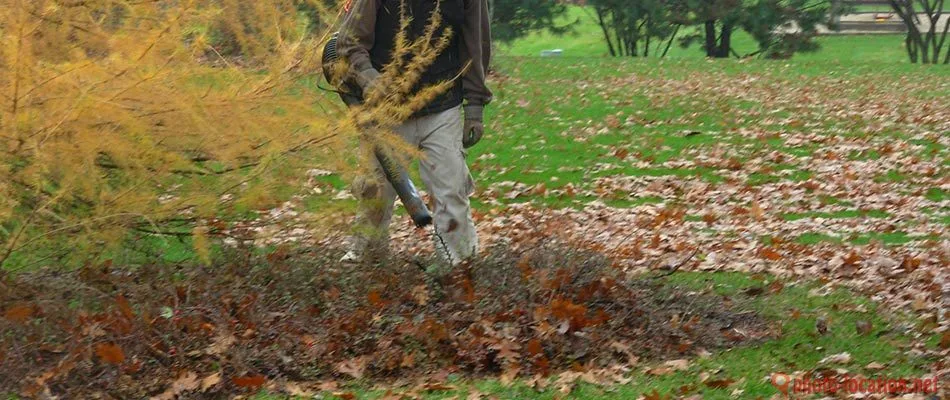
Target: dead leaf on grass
(249,381)
(840,358)
(186,382)
(110,353)
(354,367)
(19,313)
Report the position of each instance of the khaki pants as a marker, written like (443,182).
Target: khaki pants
(445,176)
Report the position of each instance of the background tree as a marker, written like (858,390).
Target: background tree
(926,40)
(512,19)
(631,28)
(779,27)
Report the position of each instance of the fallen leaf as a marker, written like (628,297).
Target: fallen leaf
(437,387)
(186,382)
(19,313)
(475,395)
(874,366)
(221,344)
(756,211)
(353,367)
(840,358)
(863,327)
(210,381)
(420,294)
(821,325)
(654,395)
(678,365)
(249,381)
(124,307)
(110,353)
(719,383)
(511,372)
(295,389)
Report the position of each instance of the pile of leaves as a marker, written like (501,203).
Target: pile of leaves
(161,331)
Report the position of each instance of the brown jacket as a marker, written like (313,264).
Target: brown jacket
(357,38)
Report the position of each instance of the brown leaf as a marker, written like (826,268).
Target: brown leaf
(508,351)
(186,382)
(654,395)
(408,360)
(776,287)
(375,299)
(345,395)
(210,381)
(534,347)
(221,344)
(249,381)
(474,394)
(874,366)
(660,371)
(719,383)
(863,327)
(296,390)
(511,372)
(621,153)
(612,121)
(756,211)
(769,254)
(124,306)
(353,367)
(420,294)
(821,325)
(19,313)
(110,353)
(437,387)
(945,340)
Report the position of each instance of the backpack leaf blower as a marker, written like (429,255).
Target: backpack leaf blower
(395,173)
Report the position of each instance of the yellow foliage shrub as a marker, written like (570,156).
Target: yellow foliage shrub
(112,118)
(120,115)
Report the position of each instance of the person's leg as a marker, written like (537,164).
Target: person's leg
(448,180)
(376,196)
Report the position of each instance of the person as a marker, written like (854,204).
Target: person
(443,129)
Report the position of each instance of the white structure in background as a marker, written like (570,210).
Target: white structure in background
(552,53)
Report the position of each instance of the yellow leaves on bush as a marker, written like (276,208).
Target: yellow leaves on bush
(126,120)
(120,116)
(201,245)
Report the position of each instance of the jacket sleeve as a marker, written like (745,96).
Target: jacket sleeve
(476,47)
(356,38)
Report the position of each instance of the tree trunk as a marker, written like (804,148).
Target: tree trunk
(924,47)
(725,40)
(711,38)
(603,27)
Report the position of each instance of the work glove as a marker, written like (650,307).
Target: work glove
(473,128)
(368,80)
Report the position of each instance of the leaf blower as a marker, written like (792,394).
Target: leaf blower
(397,176)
